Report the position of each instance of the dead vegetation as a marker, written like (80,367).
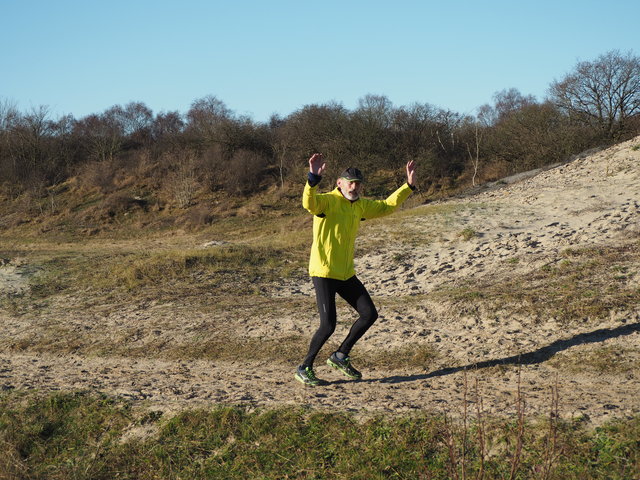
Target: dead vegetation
(584,285)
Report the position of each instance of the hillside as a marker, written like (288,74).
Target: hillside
(526,285)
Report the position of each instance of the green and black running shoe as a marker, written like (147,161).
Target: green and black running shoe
(344,366)
(307,376)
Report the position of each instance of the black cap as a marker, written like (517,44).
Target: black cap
(352,174)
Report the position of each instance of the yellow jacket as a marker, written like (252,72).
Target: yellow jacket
(336,224)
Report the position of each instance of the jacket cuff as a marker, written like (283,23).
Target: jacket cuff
(313,179)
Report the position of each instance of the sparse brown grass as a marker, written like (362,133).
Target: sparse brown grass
(234,267)
(608,360)
(243,257)
(418,226)
(584,284)
(415,354)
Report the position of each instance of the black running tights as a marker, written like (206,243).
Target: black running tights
(356,295)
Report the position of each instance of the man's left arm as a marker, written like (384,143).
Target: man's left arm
(380,208)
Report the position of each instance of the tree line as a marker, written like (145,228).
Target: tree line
(210,147)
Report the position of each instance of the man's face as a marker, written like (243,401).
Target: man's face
(350,189)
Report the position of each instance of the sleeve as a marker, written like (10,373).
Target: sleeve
(312,201)
(380,208)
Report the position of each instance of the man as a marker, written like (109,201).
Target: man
(337,216)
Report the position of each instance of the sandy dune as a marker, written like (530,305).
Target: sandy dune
(592,201)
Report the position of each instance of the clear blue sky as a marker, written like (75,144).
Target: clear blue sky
(265,57)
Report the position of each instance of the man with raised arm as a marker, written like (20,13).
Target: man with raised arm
(337,216)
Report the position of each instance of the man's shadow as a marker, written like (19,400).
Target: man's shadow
(537,356)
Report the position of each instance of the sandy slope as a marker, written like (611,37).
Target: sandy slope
(594,200)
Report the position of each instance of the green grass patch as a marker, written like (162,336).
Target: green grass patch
(60,436)
(88,437)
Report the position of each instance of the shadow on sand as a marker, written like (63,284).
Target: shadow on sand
(537,356)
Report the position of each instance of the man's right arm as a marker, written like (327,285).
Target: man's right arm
(312,201)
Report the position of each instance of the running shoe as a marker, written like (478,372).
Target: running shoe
(344,366)
(307,376)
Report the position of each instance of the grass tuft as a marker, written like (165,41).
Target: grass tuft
(467,234)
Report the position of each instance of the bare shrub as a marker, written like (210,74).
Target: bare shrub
(209,167)
(196,217)
(182,180)
(119,203)
(245,172)
(97,175)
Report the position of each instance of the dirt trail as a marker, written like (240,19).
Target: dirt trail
(173,386)
(594,200)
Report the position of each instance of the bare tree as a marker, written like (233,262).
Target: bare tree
(279,145)
(511,100)
(9,118)
(376,110)
(29,145)
(101,134)
(505,103)
(314,128)
(370,129)
(206,117)
(475,155)
(136,120)
(9,114)
(603,93)
(167,125)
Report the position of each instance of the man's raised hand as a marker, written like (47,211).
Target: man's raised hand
(411,173)
(317,164)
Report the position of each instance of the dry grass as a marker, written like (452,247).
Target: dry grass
(585,284)
(417,355)
(418,226)
(602,360)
